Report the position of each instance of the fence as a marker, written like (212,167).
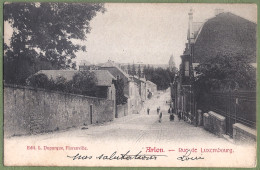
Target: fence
(237,107)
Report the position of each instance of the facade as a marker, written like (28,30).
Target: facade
(134,100)
(118,73)
(136,89)
(131,87)
(141,83)
(151,87)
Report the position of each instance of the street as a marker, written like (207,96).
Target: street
(133,133)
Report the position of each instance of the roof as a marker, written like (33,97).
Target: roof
(226,33)
(196,26)
(151,83)
(67,74)
(138,79)
(104,78)
(110,64)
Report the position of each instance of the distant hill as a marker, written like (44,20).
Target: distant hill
(226,33)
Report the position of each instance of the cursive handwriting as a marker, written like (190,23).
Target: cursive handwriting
(78,157)
(116,156)
(187,157)
(127,156)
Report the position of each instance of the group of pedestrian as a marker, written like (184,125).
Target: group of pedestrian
(179,113)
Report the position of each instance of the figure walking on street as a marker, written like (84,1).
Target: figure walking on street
(148,110)
(158,110)
(179,115)
(160,117)
(171,117)
(169,110)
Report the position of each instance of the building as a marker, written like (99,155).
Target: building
(141,84)
(131,89)
(225,32)
(117,73)
(105,86)
(151,88)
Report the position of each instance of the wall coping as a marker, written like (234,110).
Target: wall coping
(51,91)
(218,116)
(245,128)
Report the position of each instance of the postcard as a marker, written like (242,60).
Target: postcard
(130,84)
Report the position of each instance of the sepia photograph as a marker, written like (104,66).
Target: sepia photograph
(130,84)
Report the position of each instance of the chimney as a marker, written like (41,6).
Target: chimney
(191,33)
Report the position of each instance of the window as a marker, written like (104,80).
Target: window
(187,73)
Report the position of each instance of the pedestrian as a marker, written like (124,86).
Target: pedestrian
(158,110)
(171,117)
(148,110)
(160,117)
(179,115)
(169,110)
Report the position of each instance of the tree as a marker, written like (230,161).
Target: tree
(139,71)
(120,97)
(129,69)
(226,71)
(84,83)
(161,77)
(43,35)
(133,70)
(38,81)
(61,84)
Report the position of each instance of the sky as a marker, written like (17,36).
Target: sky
(148,33)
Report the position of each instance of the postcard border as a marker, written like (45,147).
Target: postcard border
(257,2)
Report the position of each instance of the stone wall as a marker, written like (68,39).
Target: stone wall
(30,111)
(243,134)
(214,123)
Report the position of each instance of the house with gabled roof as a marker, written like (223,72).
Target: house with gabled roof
(118,73)
(223,33)
(106,88)
(131,86)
